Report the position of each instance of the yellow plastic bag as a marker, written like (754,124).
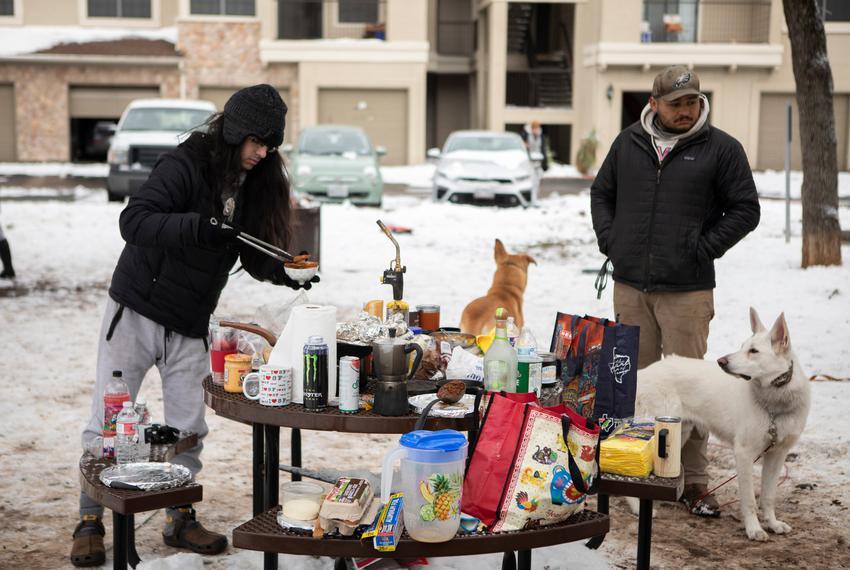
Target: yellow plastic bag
(628,451)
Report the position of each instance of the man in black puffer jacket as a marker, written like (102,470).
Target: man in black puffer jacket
(180,247)
(673,195)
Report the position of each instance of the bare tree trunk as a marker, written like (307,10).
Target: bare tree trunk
(813,75)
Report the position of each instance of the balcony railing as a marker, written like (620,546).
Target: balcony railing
(706,21)
(327,19)
(548,87)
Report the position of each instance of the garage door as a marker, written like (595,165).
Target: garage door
(104,102)
(7,123)
(772,131)
(220,95)
(382,113)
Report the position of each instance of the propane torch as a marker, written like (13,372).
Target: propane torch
(395,276)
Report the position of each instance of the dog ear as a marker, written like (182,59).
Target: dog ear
(755,322)
(530,259)
(500,251)
(779,335)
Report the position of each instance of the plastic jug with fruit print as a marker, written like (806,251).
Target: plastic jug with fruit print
(432,465)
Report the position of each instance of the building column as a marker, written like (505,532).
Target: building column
(496,57)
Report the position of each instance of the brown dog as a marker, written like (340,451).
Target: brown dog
(507,291)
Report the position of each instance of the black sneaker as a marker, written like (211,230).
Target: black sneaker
(699,501)
(88,549)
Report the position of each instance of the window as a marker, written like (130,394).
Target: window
(836,10)
(7,7)
(358,11)
(223,7)
(671,20)
(119,8)
(299,20)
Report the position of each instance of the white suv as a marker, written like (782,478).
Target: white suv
(147,129)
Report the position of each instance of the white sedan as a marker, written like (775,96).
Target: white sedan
(485,167)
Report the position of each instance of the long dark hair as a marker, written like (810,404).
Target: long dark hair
(264,203)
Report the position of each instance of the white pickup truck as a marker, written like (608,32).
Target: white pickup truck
(147,129)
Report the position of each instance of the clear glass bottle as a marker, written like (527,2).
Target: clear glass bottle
(126,438)
(512,330)
(500,361)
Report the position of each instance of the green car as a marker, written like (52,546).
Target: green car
(334,163)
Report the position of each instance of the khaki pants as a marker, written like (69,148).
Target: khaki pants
(671,323)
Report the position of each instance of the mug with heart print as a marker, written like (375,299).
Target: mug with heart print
(272,385)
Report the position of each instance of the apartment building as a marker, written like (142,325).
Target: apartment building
(410,71)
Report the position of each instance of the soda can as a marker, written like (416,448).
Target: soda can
(315,374)
(349,384)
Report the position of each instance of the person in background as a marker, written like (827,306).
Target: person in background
(6,257)
(673,195)
(180,233)
(535,141)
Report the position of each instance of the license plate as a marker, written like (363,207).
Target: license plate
(483,194)
(337,191)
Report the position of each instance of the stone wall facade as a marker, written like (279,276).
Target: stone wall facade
(42,119)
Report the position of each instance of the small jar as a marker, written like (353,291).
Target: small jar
(429,317)
(236,366)
(552,389)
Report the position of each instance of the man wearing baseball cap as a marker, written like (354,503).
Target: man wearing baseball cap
(673,194)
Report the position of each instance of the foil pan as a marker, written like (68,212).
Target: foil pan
(145,476)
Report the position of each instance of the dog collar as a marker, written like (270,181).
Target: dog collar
(783,379)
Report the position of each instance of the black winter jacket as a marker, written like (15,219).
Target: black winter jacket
(163,273)
(663,225)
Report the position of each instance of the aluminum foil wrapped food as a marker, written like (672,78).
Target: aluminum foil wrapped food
(146,476)
(368,328)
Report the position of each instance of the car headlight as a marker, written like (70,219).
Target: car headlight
(522,178)
(118,155)
(370,172)
(443,177)
(304,170)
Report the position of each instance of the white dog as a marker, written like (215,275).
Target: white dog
(761,412)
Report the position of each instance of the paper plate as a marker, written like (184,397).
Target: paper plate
(151,476)
(441,410)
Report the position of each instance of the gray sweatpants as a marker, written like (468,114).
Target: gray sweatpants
(137,344)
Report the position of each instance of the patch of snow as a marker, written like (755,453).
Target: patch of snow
(30,39)
(60,169)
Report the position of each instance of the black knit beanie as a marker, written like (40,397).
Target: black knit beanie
(257,110)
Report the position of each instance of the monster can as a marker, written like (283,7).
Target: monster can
(349,384)
(315,374)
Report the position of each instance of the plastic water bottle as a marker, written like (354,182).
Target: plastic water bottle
(529,364)
(127,434)
(114,396)
(144,449)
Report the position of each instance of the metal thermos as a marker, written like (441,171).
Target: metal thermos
(667,461)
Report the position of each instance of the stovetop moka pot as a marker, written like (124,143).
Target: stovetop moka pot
(392,371)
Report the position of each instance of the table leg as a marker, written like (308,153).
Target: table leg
(257,450)
(523,560)
(132,555)
(340,564)
(602,507)
(271,483)
(272,474)
(508,561)
(644,534)
(119,531)
(295,451)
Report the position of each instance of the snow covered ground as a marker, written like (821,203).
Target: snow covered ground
(65,252)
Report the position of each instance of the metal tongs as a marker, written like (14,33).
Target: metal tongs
(258,244)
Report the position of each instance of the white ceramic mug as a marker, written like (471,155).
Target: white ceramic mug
(273,385)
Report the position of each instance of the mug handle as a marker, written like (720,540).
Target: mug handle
(245,380)
(662,443)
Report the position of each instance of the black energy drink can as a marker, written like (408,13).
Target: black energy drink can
(315,374)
